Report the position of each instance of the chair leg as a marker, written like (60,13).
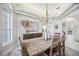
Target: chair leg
(50,54)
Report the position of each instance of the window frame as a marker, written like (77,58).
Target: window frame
(9,17)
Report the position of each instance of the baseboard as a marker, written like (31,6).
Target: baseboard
(7,51)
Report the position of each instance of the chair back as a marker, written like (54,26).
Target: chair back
(23,49)
(54,49)
(57,35)
(62,47)
(20,42)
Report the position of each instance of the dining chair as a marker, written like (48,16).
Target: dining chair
(54,49)
(62,45)
(23,49)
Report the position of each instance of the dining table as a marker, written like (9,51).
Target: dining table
(36,45)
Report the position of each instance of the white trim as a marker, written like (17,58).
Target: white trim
(8,42)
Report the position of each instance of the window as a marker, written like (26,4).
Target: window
(7,26)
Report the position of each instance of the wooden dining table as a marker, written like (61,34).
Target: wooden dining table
(36,45)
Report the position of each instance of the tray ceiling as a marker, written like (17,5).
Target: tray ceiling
(54,9)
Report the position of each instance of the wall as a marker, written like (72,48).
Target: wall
(0,27)
(71,42)
(20,28)
(51,24)
(5,49)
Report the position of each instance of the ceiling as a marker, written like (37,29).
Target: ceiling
(54,9)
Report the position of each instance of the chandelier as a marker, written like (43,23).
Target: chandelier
(46,13)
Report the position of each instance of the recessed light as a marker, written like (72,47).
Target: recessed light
(59,13)
(58,8)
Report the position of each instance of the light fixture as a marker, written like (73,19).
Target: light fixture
(58,8)
(46,13)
